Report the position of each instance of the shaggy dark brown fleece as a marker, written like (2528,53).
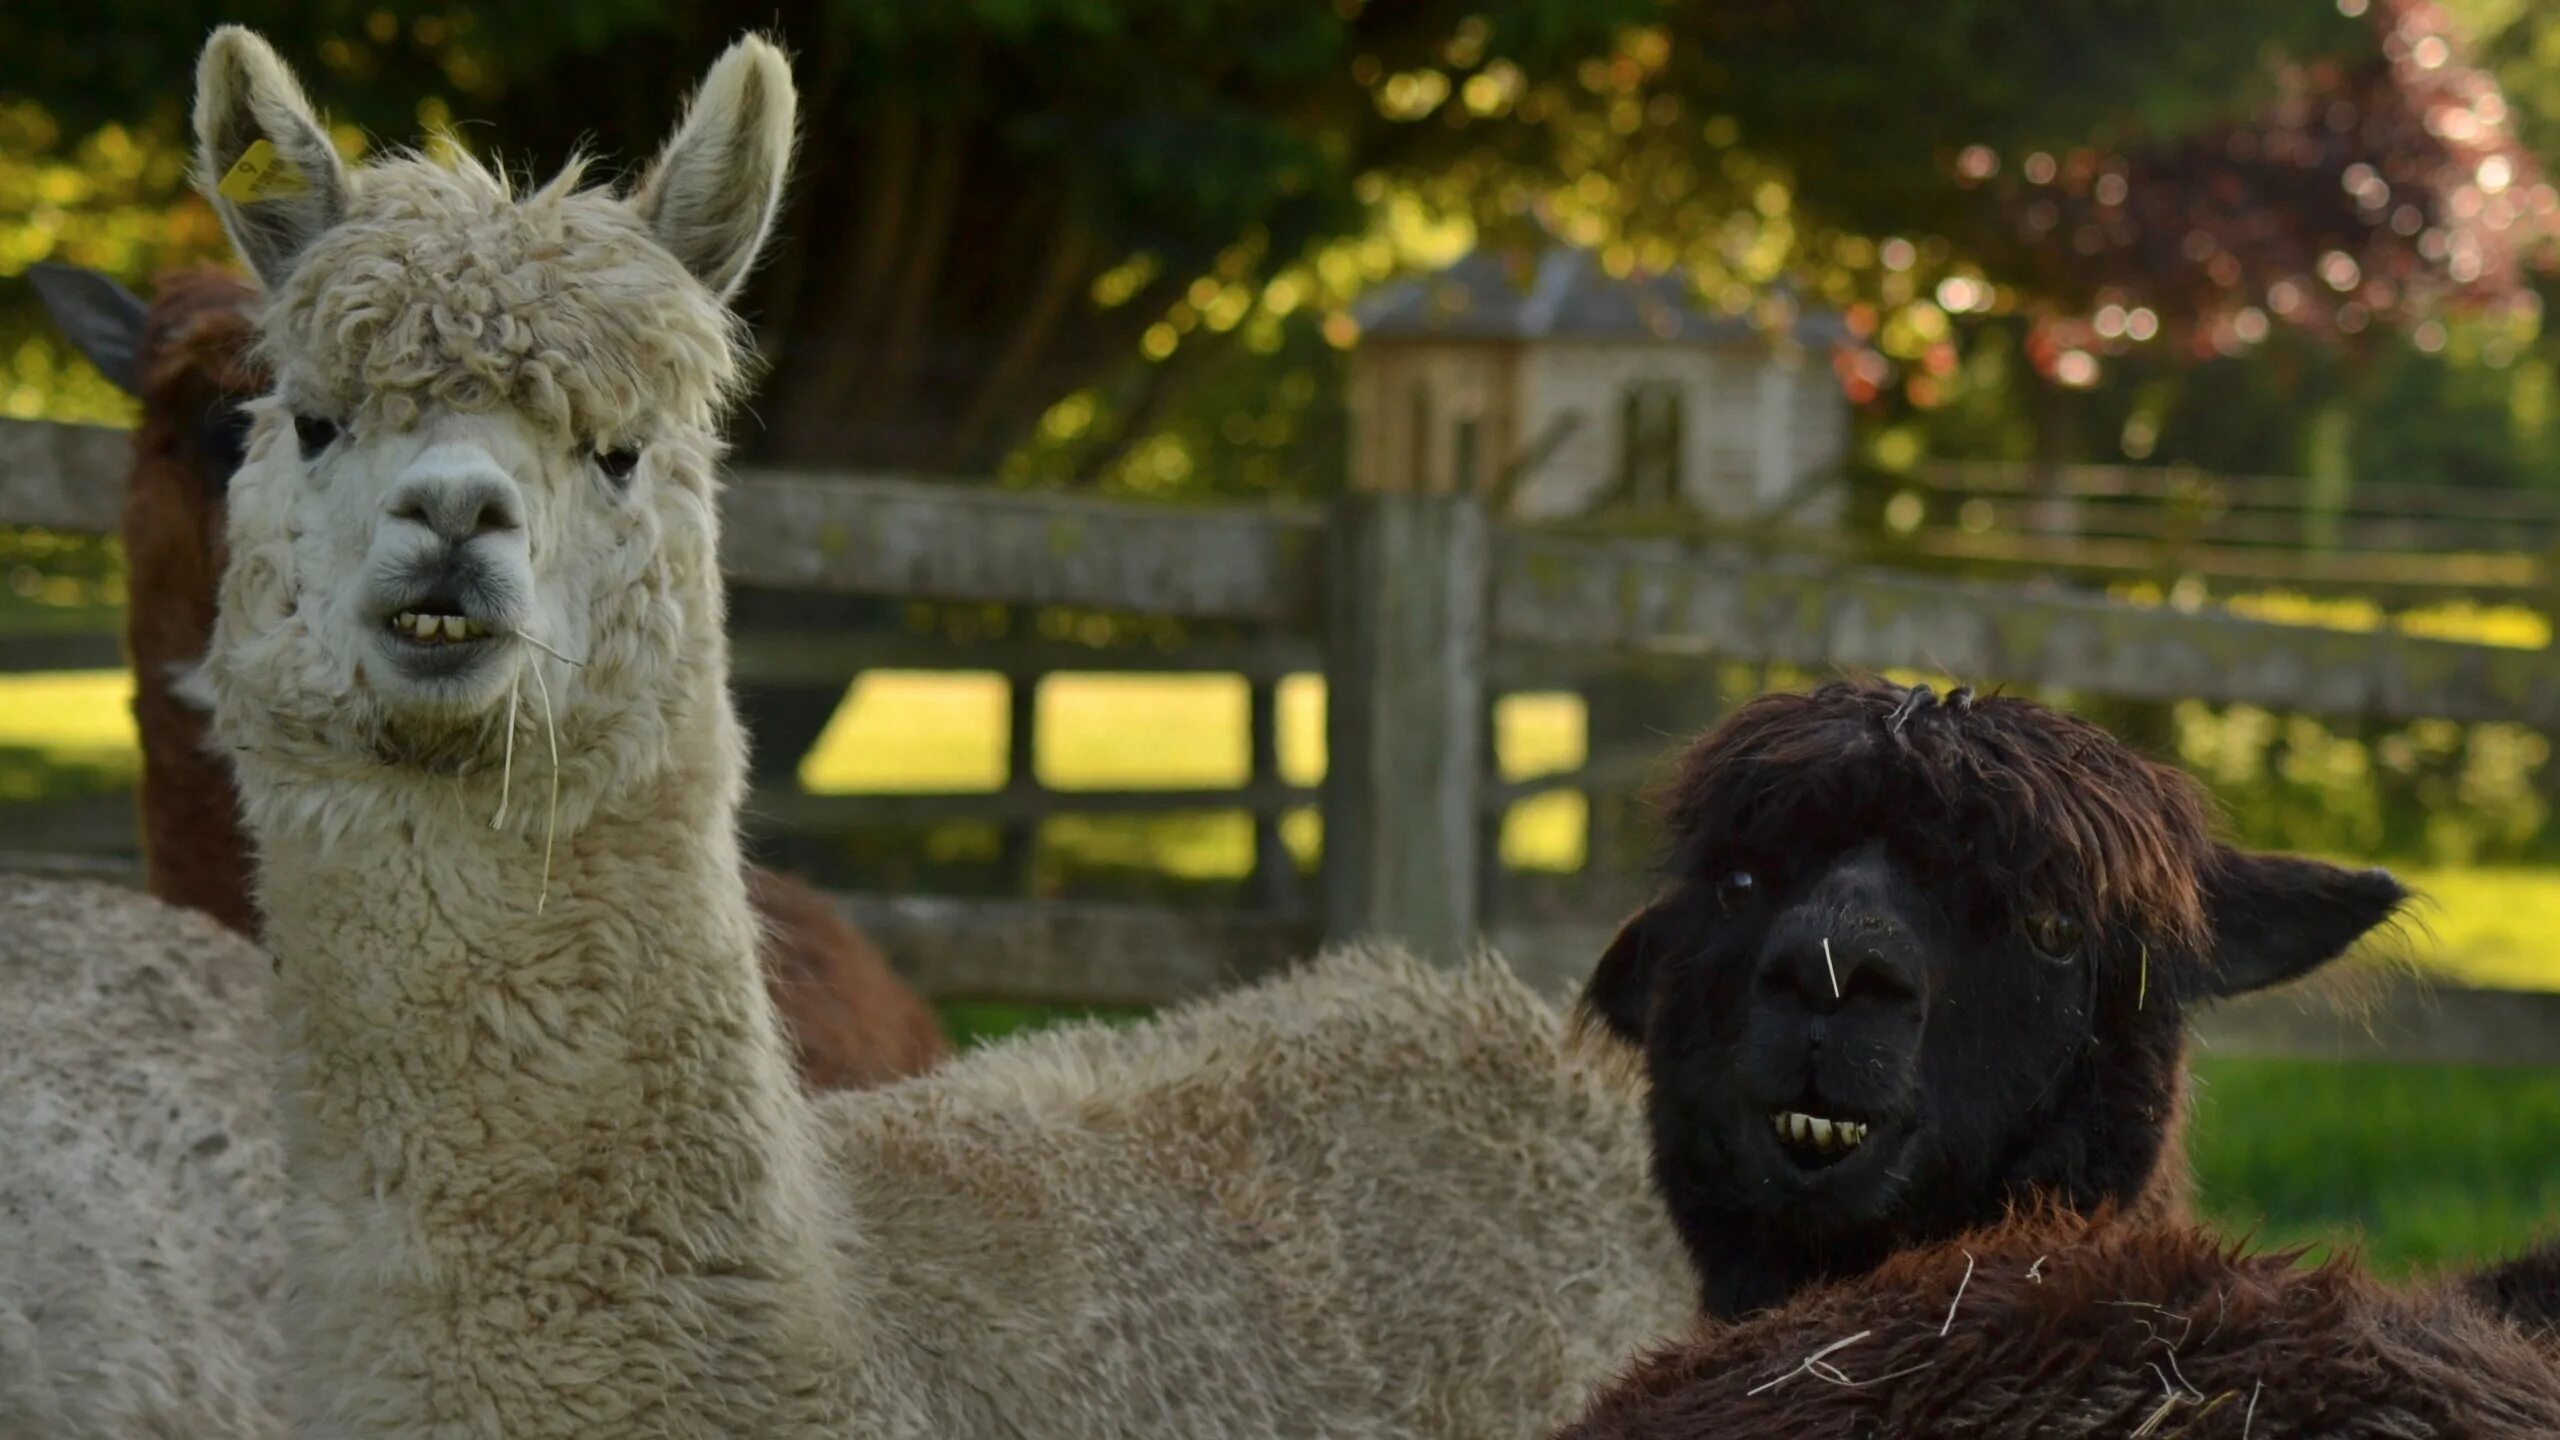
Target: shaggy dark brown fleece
(852,1021)
(2069,1327)
(2035,807)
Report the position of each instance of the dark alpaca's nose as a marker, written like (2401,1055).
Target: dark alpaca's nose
(1863,960)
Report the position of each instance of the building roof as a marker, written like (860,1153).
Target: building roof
(1561,293)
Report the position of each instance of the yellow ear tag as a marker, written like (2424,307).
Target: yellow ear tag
(261,174)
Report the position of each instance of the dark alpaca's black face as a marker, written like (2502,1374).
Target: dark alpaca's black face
(1837,1038)
(1917,961)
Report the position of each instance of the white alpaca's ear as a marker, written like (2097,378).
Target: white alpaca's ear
(262,157)
(712,194)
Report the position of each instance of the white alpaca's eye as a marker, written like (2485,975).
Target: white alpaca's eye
(618,464)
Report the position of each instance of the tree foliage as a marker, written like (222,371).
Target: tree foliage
(1006,207)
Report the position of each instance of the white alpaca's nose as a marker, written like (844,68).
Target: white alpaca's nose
(458,494)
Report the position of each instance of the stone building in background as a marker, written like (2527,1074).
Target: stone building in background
(1554,390)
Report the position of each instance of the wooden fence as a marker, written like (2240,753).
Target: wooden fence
(1419,610)
(2402,544)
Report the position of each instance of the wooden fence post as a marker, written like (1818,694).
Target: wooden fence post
(1489,818)
(1274,882)
(1407,589)
(1019,841)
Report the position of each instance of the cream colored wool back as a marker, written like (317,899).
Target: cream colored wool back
(1371,1199)
(140,1182)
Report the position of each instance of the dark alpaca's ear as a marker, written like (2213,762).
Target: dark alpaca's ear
(2279,916)
(1620,989)
(102,319)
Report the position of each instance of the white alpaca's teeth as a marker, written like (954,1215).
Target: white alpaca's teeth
(437,629)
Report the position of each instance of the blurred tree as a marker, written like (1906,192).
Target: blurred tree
(2518,41)
(1006,203)
(2348,272)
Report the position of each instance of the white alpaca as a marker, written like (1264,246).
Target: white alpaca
(140,1184)
(548,1172)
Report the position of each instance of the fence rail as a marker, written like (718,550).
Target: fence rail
(2402,543)
(2257,492)
(1420,611)
(864,535)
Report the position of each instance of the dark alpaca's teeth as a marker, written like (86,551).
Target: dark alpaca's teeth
(1818,1132)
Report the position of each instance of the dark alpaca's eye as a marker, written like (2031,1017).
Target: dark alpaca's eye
(2055,936)
(617,465)
(1736,890)
(315,433)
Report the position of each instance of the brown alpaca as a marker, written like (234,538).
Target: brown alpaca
(2058,1326)
(853,1022)
(188,357)
(1918,961)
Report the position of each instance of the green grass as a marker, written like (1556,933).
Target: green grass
(2425,1166)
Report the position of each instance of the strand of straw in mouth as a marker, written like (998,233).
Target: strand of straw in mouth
(507,762)
(537,643)
(551,823)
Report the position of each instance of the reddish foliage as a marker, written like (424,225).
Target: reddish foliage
(2368,194)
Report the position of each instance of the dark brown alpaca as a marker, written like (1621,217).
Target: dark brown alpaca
(188,358)
(1918,961)
(2058,1326)
(1966,932)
